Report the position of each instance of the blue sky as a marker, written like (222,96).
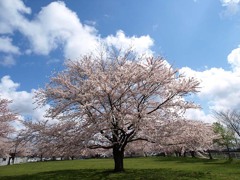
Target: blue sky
(200,37)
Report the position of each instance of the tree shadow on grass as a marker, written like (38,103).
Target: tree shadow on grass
(233,162)
(93,174)
(186,160)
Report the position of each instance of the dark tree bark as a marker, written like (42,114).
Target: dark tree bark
(9,160)
(209,154)
(41,157)
(11,157)
(193,154)
(176,154)
(185,154)
(118,155)
(53,158)
(228,152)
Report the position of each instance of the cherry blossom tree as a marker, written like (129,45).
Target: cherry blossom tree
(16,147)
(6,117)
(36,136)
(140,148)
(183,136)
(117,98)
(55,139)
(6,128)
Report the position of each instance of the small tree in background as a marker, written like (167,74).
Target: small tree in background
(226,137)
(117,98)
(230,118)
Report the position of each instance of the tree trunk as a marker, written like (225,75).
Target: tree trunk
(41,157)
(176,154)
(209,154)
(185,154)
(145,154)
(13,159)
(9,160)
(229,154)
(118,155)
(193,154)
(53,158)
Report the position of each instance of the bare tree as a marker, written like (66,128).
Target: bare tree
(117,98)
(230,118)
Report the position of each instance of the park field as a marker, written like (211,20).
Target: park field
(165,168)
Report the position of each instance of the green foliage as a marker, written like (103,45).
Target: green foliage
(226,135)
(135,168)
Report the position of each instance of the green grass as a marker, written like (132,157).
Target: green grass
(135,168)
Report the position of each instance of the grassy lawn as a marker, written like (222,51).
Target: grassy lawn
(135,168)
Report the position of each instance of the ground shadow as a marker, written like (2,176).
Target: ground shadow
(187,160)
(93,174)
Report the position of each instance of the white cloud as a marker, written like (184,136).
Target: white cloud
(7,85)
(7,61)
(12,15)
(91,23)
(227,2)
(22,101)
(199,115)
(6,46)
(219,87)
(57,26)
(232,7)
(234,59)
(8,50)
(141,44)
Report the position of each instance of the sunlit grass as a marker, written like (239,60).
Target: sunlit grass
(135,168)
